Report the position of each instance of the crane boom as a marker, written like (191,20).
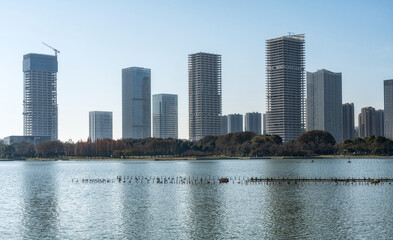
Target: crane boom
(54,49)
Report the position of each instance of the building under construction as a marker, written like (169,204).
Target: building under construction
(40,95)
(204,95)
(285,86)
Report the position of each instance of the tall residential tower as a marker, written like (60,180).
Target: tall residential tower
(165,116)
(285,86)
(324,103)
(204,95)
(136,106)
(371,122)
(40,95)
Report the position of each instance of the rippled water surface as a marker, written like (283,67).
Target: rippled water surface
(42,200)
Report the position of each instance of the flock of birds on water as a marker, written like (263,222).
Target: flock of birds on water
(205,180)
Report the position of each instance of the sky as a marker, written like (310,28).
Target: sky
(97,39)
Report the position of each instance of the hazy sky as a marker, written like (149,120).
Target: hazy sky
(99,38)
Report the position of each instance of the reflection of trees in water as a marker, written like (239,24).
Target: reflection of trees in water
(40,213)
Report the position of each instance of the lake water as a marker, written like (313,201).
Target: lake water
(47,200)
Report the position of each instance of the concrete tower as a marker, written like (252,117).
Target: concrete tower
(285,86)
(40,95)
(204,95)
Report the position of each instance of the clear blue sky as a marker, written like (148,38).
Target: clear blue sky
(99,38)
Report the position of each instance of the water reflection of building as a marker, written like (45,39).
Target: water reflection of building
(40,202)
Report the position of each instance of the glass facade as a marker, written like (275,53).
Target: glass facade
(388,108)
(136,102)
(324,103)
(165,116)
(100,125)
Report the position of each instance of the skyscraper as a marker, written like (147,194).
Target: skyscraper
(371,122)
(224,125)
(348,121)
(264,123)
(40,95)
(100,125)
(252,123)
(204,95)
(235,123)
(285,86)
(388,108)
(324,103)
(136,106)
(165,123)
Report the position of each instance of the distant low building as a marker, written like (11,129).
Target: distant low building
(165,116)
(100,125)
(30,139)
(252,123)
(224,125)
(348,121)
(235,123)
(371,122)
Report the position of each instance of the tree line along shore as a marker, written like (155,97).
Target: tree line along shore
(234,145)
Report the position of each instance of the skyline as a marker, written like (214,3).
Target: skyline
(95,49)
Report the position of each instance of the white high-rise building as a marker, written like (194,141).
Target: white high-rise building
(40,95)
(285,86)
(100,125)
(204,95)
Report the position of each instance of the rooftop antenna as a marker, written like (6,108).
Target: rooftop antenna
(290,33)
(54,49)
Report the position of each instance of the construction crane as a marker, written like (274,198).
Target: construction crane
(54,49)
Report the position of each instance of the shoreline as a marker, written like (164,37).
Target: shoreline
(197,158)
